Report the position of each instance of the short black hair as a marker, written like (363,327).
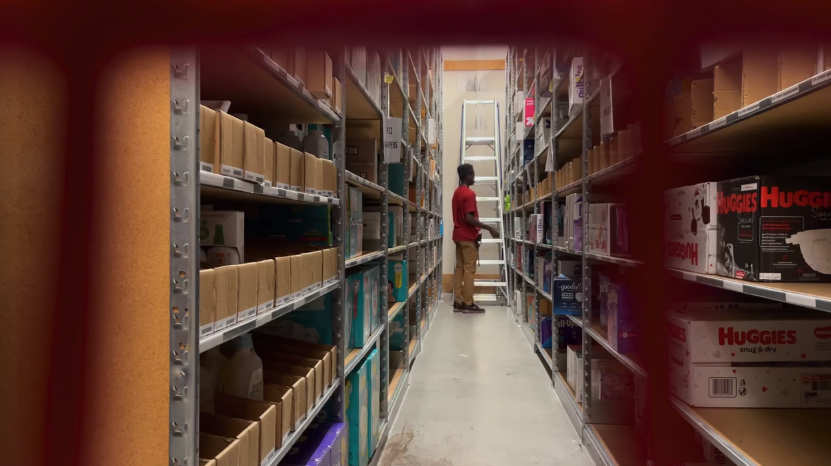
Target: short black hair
(464,170)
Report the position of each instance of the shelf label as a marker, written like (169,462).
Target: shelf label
(793,90)
(821,78)
(392,140)
(749,109)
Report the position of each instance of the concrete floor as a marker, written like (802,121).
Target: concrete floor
(479,396)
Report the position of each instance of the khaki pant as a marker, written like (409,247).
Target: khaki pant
(466,257)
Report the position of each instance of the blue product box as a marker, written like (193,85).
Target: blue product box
(623,331)
(352,291)
(397,272)
(357,415)
(374,391)
(603,301)
(527,150)
(309,449)
(545,332)
(311,322)
(567,296)
(360,311)
(397,332)
(340,448)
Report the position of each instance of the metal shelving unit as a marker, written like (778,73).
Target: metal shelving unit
(259,84)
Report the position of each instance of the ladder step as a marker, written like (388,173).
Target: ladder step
(478,158)
(485,298)
(490,220)
(488,199)
(486,178)
(480,140)
(491,262)
(488,283)
(491,240)
(474,102)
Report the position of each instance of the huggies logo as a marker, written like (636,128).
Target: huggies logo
(731,337)
(823,333)
(678,333)
(802,198)
(684,251)
(739,203)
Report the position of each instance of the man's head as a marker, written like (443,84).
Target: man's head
(466,174)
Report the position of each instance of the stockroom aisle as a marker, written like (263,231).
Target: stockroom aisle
(478,396)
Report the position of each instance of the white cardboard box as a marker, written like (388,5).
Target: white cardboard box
(223,228)
(576,86)
(690,227)
(599,229)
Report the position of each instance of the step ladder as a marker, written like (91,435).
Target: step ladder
(487,202)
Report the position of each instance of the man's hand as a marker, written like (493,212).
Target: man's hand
(494,232)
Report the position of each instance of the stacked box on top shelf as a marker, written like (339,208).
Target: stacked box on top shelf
(354,235)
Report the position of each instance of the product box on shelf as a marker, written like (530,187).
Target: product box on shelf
(271,358)
(319,73)
(574,370)
(570,268)
(358,291)
(266,280)
(576,86)
(374,400)
(623,331)
(207,301)
(302,381)
(727,89)
(619,230)
(246,432)
(282,287)
(357,415)
(567,297)
(296,170)
(282,166)
(398,284)
(690,228)
(568,333)
(208,140)
(527,151)
(372,231)
(227,292)
(253,153)
(268,173)
(263,414)
(223,228)
(371,293)
(231,146)
(282,397)
(311,322)
(775,229)
(248,275)
(610,380)
(397,332)
(224,451)
(362,158)
(598,229)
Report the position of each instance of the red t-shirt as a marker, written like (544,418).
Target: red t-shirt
(464,202)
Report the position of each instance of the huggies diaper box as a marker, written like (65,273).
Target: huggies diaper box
(690,228)
(775,229)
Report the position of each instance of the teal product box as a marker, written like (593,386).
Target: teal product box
(354,240)
(396,178)
(296,223)
(354,205)
(397,280)
(397,225)
(372,293)
(357,415)
(311,322)
(374,401)
(397,332)
(359,283)
(352,291)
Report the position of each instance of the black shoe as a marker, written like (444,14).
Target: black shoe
(473,309)
(458,307)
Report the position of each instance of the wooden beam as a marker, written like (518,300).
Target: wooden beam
(473,65)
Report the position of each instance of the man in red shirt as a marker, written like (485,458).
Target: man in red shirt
(466,226)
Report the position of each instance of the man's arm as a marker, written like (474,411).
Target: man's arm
(471,219)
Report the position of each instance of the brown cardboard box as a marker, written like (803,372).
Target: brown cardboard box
(338,95)
(296,170)
(315,364)
(264,414)
(319,73)
(309,173)
(681,115)
(299,406)
(268,150)
(266,280)
(231,143)
(227,290)
(317,269)
(796,64)
(727,89)
(224,450)
(208,140)
(246,432)
(204,462)
(624,144)
(319,175)
(327,266)
(701,95)
(284,57)
(296,276)
(603,157)
(247,291)
(283,397)
(590,154)
(328,182)
(253,155)
(614,155)
(282,166)
(264,339)
(335,258)
(760,74)
(309,274)
(207,301)
(282,291)
(362,158)
(306,400)
(291,348)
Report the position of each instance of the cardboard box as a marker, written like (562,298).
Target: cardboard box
(231,144)
(691,227)
(268,173)
(246,432)
(328,274)
(374,400)
(319,175)
(296,342)
(701,95)
(338,95)
(264,414)
(207,301)
(247,291)
(296,276)
(362,158)
(296,170)
(610,380)
(227,286)
(599,224)
(319,354)
(681,117)
(292,60)
(253,153)
(309,173)
(224,451)
(727,89)
(567,296)
(282,166)
(576,86)
(208,140)
(316,364)
(398,283)
(266,281)
(774,229)
(328,181)
(223,228)
(357,414)
(282,397)
(304,397)
(282,289)
(623,331)
(760,74)
(796,64)
(317,269)
(574,372)
(319,73)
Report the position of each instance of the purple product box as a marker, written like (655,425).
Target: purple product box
(623,332)
(320,445)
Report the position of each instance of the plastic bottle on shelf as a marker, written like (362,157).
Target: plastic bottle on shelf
(316,142)
(219,256)
(282,133)
(243,376)
(214,361)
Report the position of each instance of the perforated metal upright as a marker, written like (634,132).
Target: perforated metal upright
(339,238)
(382,288)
